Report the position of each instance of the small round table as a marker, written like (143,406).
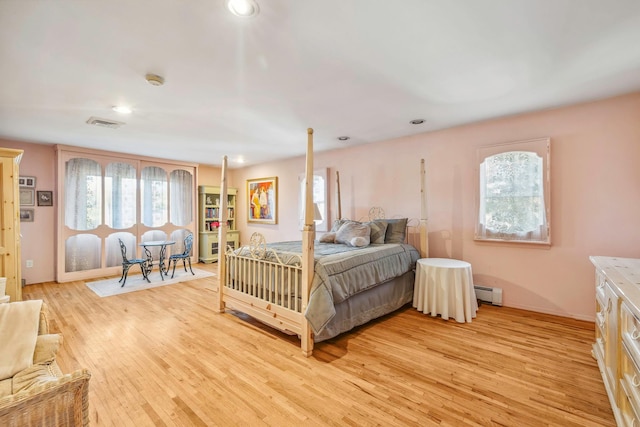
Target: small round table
(445,286)
(162,244)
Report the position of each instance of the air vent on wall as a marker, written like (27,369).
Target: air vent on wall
(104,122)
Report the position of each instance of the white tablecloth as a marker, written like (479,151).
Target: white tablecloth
(445,287)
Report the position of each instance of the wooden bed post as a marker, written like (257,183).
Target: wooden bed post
(338,192)
(424,232)
(222,238)
(308,237)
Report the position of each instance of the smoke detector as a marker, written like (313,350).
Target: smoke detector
(106,123)
(154,79)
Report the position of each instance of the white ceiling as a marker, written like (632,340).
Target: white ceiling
(249,88)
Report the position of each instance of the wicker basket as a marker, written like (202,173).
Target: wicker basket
(61,403)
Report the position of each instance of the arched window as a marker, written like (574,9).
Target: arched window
(181,196)
(105,197)
(154,196)
(513,192)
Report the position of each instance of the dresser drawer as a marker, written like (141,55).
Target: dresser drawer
(628,414)
(630,383)
(630,332)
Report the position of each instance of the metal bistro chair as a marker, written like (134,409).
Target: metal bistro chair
(184,256)
(127,263)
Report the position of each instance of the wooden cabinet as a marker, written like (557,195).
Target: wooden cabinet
(617,334)
(10,222)
(209,221)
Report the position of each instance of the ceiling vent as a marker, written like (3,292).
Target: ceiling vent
(104,122)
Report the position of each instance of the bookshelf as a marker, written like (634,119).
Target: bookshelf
(209,221)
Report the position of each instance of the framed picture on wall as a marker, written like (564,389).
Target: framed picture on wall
(27,181)
(27,197)
(262,195)
(45,198)
(26,215)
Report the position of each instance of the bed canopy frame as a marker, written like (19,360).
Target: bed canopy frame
(251,301)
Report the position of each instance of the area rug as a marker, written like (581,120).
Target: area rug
(135,282)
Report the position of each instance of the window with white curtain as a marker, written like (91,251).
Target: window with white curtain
(104,198)
(514,192)
(120,185)
(319,199)
(181,194)
(83,190)
(153,196)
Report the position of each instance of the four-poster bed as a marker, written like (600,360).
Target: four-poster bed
(318,290)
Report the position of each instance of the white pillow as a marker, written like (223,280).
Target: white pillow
(359,242)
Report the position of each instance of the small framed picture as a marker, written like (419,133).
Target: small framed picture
(26,215)
(27,197)
(45,198)
(27,181)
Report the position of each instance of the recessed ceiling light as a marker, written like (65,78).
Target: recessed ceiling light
(417,121)
(344,138)
(243,8)
(154,79)
(122,109)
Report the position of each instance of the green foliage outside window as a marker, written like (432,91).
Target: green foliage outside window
(513,192)
(513,199)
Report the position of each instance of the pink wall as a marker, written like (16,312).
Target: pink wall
(595,197)
(38,236)
(208,175)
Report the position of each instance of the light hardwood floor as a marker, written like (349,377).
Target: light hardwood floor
(161,357)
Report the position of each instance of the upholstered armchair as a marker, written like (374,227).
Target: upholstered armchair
(35,391)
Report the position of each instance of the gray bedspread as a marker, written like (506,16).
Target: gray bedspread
(342,271)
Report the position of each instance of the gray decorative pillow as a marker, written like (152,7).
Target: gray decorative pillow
(329,237)
(378,231)
(352,229)
(396,230)
(338,223)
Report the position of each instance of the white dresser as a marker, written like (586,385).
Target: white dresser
(617,346)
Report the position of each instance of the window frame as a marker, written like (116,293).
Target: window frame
(323,205)
(542,147)
(64,153)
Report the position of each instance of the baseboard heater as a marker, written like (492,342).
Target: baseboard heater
(489,295)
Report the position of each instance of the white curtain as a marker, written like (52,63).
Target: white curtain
(153,196)
(512,198)
(120,183)
(83,194)
(181,197)
(82,252)
(83,211)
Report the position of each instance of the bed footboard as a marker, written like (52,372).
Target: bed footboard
(260,283)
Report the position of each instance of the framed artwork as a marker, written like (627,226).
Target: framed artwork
(45,198)
(26,215)
(27,197)
(262,200)
(27,181)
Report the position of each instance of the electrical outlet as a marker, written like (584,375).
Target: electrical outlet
(29,263)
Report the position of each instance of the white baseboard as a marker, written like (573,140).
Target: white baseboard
(588,318)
